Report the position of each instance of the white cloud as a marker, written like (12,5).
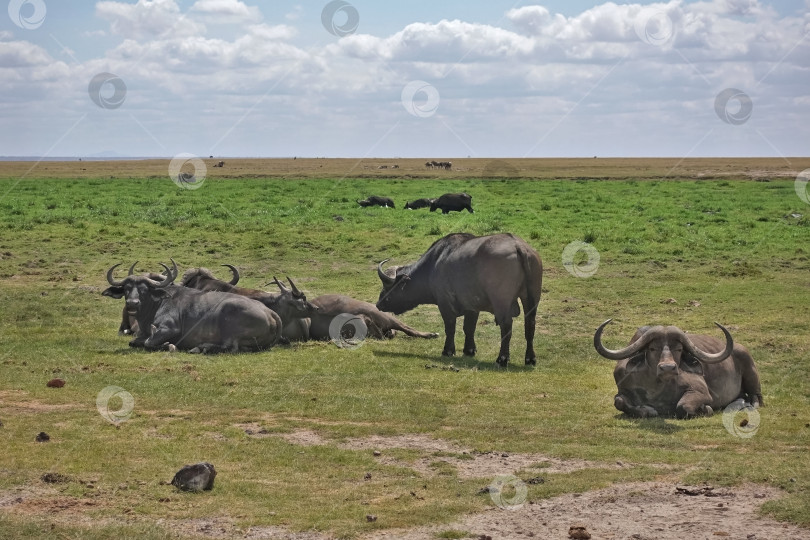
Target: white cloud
(230,11)
(146,18)
(22,54)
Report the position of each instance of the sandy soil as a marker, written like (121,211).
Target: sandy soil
(644,511)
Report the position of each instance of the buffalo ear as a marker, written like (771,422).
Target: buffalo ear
(691,364)
(160,293)
(113,292)
(637,361)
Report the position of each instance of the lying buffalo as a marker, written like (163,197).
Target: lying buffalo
(464,275)
(418,203)
(291,304)
(129,324)
(664,371)
(452,202)
(379,325)
(377,201)
(192,320)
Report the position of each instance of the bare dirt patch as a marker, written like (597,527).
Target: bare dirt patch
(639,511)
(16,402)
(467,462)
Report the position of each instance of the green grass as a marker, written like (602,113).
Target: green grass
(738,248)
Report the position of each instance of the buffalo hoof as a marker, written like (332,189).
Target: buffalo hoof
(502,361)
(470,352)
(531,360)
(449,352)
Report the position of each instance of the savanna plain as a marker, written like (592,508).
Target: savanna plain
(312,440)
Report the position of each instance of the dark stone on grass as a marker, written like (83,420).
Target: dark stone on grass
(56,383)
(43,437)
(371,518)
(197,477)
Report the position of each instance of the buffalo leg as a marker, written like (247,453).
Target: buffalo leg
(161,336)
(693,404)
(470,322)
(626,406)
(530,322)
(506,337)
(449,332)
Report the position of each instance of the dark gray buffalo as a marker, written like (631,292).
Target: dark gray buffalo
(379,325)
(129,324)
(464,275)
(192,320)
(452,202)
(291,304)
(418,203)
(377,201)
(666,372)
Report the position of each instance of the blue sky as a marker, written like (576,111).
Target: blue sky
(413,79)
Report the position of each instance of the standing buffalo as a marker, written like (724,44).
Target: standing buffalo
(664,371)
(418,203)
(291,305)
(452,202)
(377,201)
(464,275)
(379,325)
(192,320)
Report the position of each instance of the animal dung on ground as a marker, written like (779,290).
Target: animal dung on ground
(197,477)
(578,532)
(43,437)
(56,383)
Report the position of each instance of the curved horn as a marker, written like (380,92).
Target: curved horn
(281,286)
(171,274)
(295,290)
(703,356)
(620,354)
(132,268)
(175,271)
(235,279)
(385,278)
(110,276)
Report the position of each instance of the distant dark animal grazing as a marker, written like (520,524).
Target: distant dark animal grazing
(418,203)
(380,325)
(445,164)
(429,164)
(377,201)
(665,371)
(452,202)
(291,304)
(220,164)
(464,275)
(192,320)
(383,167)
(395,166)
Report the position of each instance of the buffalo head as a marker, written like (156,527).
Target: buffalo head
(292,304)
(395,296)
(139,290)
(663,350)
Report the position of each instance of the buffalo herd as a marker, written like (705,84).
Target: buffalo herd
(663,371)
(449,202)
